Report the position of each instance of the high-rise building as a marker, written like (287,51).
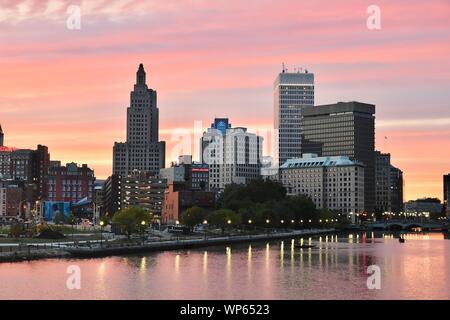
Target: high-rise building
(396,190)
(292,92)
(233,157)
(447,191)
(334,183)
(382,182)
(343,129)
(2,136)
(71,183)
(142,151)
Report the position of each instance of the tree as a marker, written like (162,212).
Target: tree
(193,216)
(16,230)
(238,196)
(72,220)
(130,219)
(59,218)
(221,217)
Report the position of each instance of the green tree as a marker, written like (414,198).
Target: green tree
(16,230)
(72,220)
(130,219)
(238,196)
(193,216)
(59,218)
(221,218)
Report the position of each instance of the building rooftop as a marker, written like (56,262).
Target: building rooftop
(340,107)
(7,149)
(313,161)
(294,78)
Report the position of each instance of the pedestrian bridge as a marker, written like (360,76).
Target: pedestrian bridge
(406,225)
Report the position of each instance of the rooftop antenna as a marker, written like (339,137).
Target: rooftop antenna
(284,68)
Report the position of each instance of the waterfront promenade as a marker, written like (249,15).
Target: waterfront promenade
(111,248)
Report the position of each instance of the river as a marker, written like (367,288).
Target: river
(335,269)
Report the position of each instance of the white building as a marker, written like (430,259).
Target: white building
(233,155)
(293,91)
(334,183)
(142,151)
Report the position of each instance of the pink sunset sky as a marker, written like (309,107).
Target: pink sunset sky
(69,89)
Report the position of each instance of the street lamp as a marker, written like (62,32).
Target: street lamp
(205,222)
(102,223)
(250,221)
(267,222)
(143,231)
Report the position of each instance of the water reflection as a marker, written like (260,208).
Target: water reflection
(336,268)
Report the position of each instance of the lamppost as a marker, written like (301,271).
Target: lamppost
(101,232)
(143,231)
(177,223)
(267,222)
(205,223)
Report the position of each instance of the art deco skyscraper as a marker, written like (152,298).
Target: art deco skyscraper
(142,151)
(292,92)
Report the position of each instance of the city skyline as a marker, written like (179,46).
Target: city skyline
(205,72)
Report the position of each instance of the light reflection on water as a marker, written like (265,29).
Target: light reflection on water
(334,269)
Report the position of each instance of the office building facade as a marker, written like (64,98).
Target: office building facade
(292,92)
(343,129)
(334,183)
(232,157)
(70,183)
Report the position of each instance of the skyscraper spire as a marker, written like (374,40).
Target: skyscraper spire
(140,75)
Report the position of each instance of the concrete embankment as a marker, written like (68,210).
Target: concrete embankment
(120,249)
(17,256)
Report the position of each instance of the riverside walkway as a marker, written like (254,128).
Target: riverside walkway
(112,249)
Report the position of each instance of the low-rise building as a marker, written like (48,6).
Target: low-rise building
(334,183)
(70,183)
(177,199)
(432,206)
(143,190)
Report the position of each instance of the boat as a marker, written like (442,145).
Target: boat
(401,240)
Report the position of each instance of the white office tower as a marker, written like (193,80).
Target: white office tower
(233,154)
(292,92)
